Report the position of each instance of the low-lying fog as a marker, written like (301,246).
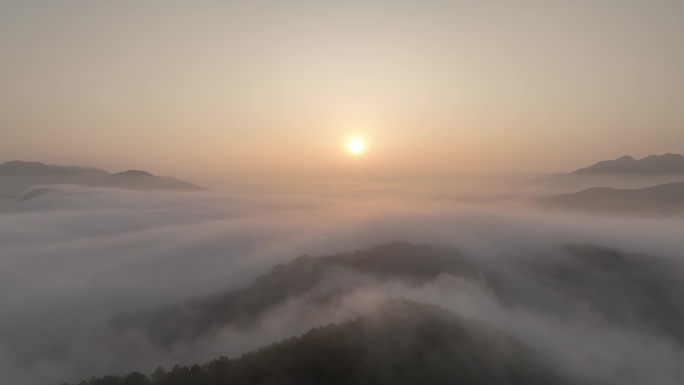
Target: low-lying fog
(73,257)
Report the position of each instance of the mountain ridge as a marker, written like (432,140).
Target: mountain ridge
(625,172)
(418,265)
(18,176)
(642,295)
(661,199)
(27,168)
(396,342)
(651,165)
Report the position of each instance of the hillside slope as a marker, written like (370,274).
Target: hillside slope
(661,199)
(16,177)
(399,342)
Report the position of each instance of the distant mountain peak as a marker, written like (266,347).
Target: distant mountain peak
(24,175)
(668,155)
(13,163)
(134,174)
(651,165)
(23,168)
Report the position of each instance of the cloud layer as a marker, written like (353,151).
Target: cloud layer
(73,257)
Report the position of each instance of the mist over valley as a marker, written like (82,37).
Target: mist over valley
(380,192)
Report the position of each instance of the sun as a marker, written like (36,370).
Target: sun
(356,146)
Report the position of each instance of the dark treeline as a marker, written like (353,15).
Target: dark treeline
(635,291)
(400,342)
(241,308)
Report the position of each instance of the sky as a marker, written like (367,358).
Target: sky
(207,90)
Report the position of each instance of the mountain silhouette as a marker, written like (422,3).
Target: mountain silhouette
(143,180)
(661,199)
(17,168)
(18,176)
(650,165)
(133,174)
(625,172)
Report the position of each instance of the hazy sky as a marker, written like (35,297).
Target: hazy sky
(208,89)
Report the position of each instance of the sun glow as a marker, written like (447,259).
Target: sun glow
(356,146)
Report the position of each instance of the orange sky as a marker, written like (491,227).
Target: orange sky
(206,90)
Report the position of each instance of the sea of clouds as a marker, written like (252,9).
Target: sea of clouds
(72,257)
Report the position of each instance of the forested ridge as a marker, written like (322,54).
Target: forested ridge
(400,342)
